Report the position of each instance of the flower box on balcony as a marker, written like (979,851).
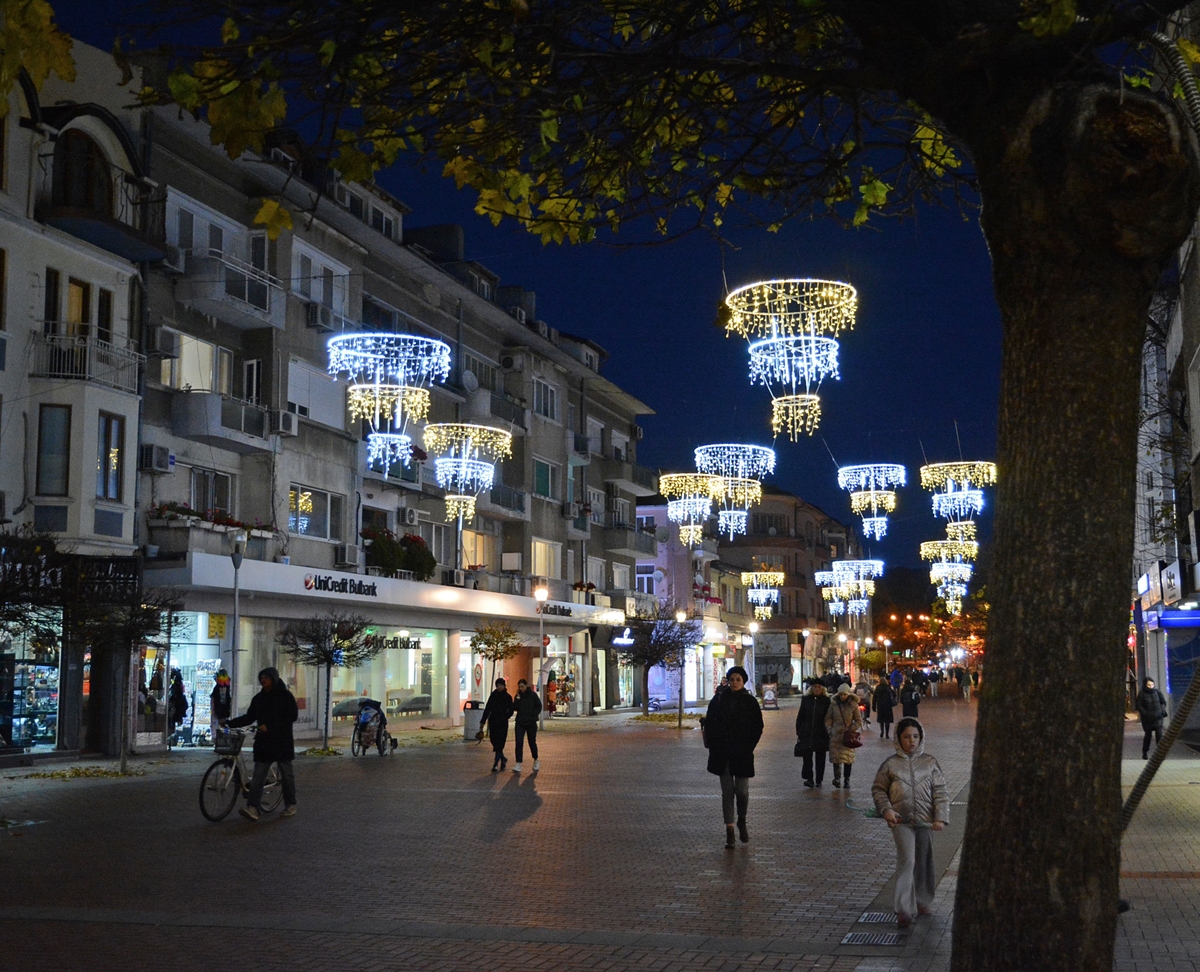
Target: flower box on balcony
(579,597)
(262,534)
(176,523)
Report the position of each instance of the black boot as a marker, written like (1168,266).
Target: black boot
(729,844)
(837,775)
(743,803)
(846,775)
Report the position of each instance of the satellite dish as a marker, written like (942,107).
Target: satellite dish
(659,576)
(771,531)
(469,381)
(662,534)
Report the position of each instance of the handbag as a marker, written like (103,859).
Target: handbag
(703,732)
(851,738)
(798,750)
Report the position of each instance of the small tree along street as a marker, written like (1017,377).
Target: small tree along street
(577,116)
(496,641)
(659,640)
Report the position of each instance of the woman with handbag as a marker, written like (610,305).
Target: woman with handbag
(844,722)
(733,726)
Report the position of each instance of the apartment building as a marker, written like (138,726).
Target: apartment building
(165,334)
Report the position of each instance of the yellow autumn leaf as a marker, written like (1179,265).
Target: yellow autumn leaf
(30,40)
(274,217)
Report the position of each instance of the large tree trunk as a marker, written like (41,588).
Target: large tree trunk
(1083,205)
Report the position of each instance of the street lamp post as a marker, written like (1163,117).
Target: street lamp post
(842,653)
(541,593)
(803,652)
(239,548)
(680,618)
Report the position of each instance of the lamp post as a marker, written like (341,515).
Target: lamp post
(753,631)
(804,652)
(541,593)
(680,618)
(842,642)
(239,548)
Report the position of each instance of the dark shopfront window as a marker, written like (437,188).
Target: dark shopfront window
(29,673)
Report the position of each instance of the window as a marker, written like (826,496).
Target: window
(596,502)
(54,448)
(479,549)
(216,239)
(316,395)
(545,478)
(315,513)
(620,447)
(110,456)
(545,399)
(620,513)
(774,524)
(621,577)
(486,373)
(104,315)
(252,381)
(320,279)
(589,359)
(440,541)
(376,314)
(373,519)
(645,524)
(383,222)
(547,559)
(81,174)
(211,492)
(200,367)
(595,572)
(185,229)
(645,578)
(52,298)
(79,306)
(595,433)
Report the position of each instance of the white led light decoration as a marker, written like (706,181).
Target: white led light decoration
(872,494)
(388,449)
(942,572)
(739,467)
(875,527)
(957,504)
(836,608)
(732,522)
(793,369)
(762,590)
(795,306)
(402,359)
(460,471)
(465,476)
(857,606)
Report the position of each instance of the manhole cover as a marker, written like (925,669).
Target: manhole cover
(873,938)
(874,917)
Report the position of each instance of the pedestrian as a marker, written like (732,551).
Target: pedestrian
(177,706)
(551,695)
(496,713)
(910,794)
(884,702)
(273,710)
(896,679)
(812,738)
(966,686)
(863,691)
(910,700)
(935,676)
(844,722)
(732,727)
(1152,710)
(527,705)
(220,702)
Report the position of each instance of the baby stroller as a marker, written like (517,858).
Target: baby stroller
(370,729)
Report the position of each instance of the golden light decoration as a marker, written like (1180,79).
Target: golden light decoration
(795,306)
(872,500)
(455,437)
(684,485)
(963,530)
(690,536)
(689,502)
(457,506)
(950,551)
(762,578)
(793,414)
(763,612)
(380,401)
(740,493)
(977,474)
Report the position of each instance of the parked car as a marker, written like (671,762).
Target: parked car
(418,703)
(348,708)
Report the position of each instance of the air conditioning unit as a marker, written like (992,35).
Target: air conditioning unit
(408,516)
(176,259)
(156,459)
(454,578)
(543,329)
(510,562)
(285,423)
(511,362)
(570,511)
(320,317)
(518,313)
(638,433)
(162,342)
(345,555)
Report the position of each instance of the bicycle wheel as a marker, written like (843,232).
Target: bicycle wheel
(219,789)
(272,794)
(356,744)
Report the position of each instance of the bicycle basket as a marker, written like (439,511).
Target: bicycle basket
(228,742)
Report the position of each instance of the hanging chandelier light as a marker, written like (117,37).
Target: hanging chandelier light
(791,326)
(389,376)
(460,470)
(957,496)
(872,493)
(689,502)
(857,577)
(763,590)
(739,469)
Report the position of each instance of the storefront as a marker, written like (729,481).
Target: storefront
(29,693)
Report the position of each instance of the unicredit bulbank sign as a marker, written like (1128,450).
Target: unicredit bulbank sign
(334,585)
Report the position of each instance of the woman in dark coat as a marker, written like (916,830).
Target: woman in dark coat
(910,699)
(274,711)
(883,701)
(496,713)
(732,728)
(1152,710)
(812,738)
(176,700)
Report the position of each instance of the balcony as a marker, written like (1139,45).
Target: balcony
(508,411)
(84,358)
(233,291)
(706,550)
(624,540)
(173,539)
(630,477)
(579,527)
(504,503)
(103,205)
(217,420)
(635,604)
(578,451)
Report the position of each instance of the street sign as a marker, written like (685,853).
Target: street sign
(545,641)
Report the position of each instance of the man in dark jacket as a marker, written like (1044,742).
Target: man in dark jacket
(273,710)
(910,699)
(812,738)
(1152,710)
(527,705)
(496,713)
(733,725)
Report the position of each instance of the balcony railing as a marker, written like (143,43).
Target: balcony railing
(217,420)
(85,358)
(630,477)
(507,497)
(232,290)
(510,412)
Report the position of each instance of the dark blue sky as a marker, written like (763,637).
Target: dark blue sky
(925,351)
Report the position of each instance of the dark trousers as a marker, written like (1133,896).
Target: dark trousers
(498,734)
(1157,734)
(522,732)
(885,728)
(807,771)
(286,777)
(841,771)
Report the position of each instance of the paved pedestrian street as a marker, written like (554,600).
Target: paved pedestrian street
(611,857)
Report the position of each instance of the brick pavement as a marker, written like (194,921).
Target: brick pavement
(610,858)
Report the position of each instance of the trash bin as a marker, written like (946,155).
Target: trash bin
(472,717)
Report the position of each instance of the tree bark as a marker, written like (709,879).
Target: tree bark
(645,689)
(1084,203)
(328,701)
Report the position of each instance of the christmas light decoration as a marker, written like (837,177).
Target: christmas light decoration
(388,449)
(484,439)
(857,576)
(460,470)
(763,590)
(957,496)
(793,369)
(378,403)
(689,502)
(763,579)
(949,550)
(957,504)
(872,494)
(738,469)
(977,474)
(836,608)
(962,530)
(857,606)
(775,307)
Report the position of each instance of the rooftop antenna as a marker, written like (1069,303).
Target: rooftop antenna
(958,440)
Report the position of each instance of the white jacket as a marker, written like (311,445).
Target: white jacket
(913,786)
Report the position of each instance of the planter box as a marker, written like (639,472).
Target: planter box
(262,534)
(179,523)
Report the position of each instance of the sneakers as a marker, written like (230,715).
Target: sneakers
(517,768)
(495,767)
(536,765)
(289,811)
(837,783)
(503,761)
(249,812)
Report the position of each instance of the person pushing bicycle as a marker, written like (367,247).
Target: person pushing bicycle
(273,710)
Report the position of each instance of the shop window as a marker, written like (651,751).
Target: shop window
(545,399)
(29,675)
(54,449)
(315,513)
(545,478)
(211,492)
(110,457)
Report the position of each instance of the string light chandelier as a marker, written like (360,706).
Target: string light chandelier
(689,502)
(791,326)
(957,496)
(389,375)
(738,469)
(460,470)
(872,493)
(857,577)
(763,591)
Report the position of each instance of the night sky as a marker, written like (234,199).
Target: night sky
(924,354)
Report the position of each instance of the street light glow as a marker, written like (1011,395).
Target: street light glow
(754,627)
(680,616)
(541,593)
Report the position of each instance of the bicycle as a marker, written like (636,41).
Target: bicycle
(226,779)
